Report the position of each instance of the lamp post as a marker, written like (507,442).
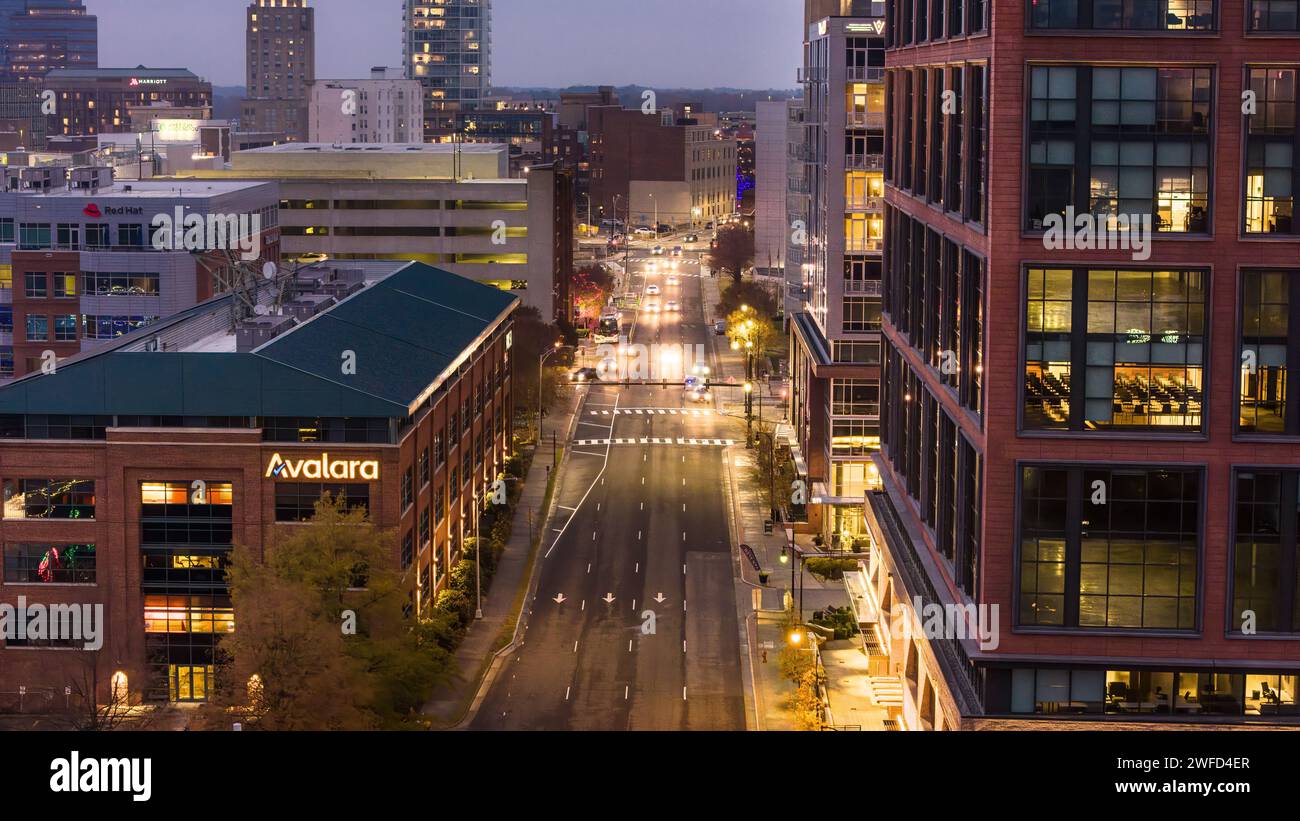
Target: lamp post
(478,558)
(541,362)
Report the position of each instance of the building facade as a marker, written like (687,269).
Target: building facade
(772,179)
(79,266)
(383,109)
(39,35)
(409,202)
(447,45)
(656,166)
(281,66)
(98,101)
(835,335)
(103,457)
(1110,478)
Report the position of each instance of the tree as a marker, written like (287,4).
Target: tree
(532,336)
(591,287)
(752,331)
(322,641)
(754,294)
(86,684)
(733,251)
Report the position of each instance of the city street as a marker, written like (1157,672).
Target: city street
(634,622)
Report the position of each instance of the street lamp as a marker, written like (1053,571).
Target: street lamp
(541,361)
(478,551)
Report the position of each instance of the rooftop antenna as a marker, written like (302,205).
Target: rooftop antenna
(247,281)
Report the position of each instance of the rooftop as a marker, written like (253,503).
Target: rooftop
(171,189)
(439,149)
(121,73)
(409,329)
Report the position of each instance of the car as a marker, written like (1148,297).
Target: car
(720,327)
(657,251)
(652,307)
(584,375)
(673,280)
(671,306)
(652,290)
(644,232)
(678,250)
(699,393)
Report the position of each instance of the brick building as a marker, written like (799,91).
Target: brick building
(648,165)
(1097,438)
(101,458)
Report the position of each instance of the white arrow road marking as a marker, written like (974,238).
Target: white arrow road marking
(661,598)
(609,598)
(559,599)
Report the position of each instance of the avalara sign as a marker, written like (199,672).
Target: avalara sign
(323,468)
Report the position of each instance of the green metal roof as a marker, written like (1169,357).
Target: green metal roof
(408,331)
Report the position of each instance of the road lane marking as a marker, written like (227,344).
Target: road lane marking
(566,507)
(566,692)
(603,468)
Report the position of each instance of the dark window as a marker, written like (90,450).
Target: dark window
(296,502)
(423,467)
(1123,15)
(1268,307)
(1265,567)
(316,429)
(186,513)
(1274,15)
(1109,548)
(27,563)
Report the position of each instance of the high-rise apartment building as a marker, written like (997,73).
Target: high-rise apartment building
(281,49)
(39,35)
(838,224)
(447,46)
(1091,323)
(772,158)
(385,108)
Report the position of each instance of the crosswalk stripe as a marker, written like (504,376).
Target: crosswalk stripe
(655,441)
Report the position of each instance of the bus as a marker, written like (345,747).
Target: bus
(607,331)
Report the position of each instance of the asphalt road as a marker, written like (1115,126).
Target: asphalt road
(634,624)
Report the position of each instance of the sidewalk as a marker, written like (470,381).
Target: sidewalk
(844,662)
(501,603)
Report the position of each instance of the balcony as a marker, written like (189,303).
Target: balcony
(864,119)
(868,162)
(811,74)
(869,205)
(862,287)
(862,246)
(865,74)
(796,186)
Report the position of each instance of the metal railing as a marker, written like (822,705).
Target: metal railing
(865,74)
(862,287)
(868,162)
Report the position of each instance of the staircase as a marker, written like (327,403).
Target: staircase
(886,691)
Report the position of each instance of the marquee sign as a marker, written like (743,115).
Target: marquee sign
(322,468)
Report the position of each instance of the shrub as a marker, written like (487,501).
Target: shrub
(457,604)
(825,569)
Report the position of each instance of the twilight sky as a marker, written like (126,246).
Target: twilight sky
(667,43)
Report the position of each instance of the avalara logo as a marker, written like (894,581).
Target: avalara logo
(92,211)
(322,468)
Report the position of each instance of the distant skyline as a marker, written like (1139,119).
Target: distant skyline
(540,43)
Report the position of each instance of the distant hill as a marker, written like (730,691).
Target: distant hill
(712,99)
